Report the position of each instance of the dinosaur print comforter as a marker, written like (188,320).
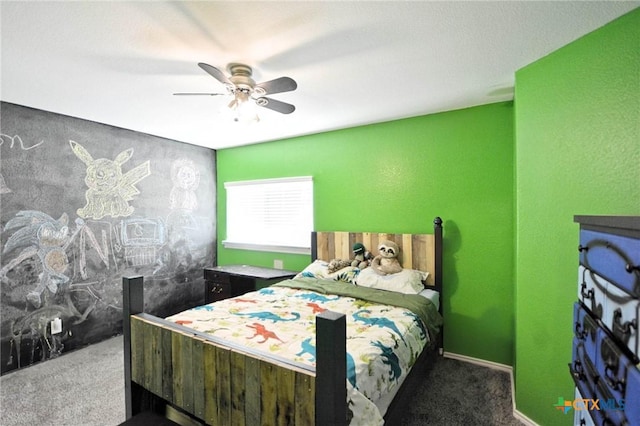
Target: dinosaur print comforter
(383,341)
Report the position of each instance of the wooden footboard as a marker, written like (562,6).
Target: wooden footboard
(217,383)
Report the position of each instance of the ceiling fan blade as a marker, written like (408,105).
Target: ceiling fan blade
(215,73)
(279,106)
(200,94)
(279,85)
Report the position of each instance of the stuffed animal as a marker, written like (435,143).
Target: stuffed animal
(362,257)
(386,262)
(337,264)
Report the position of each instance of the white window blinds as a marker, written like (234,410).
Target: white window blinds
(270,214)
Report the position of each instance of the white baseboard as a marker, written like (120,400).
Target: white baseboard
(523,419)
(478,361)
(501,367)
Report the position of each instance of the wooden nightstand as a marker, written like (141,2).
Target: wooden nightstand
(222,282)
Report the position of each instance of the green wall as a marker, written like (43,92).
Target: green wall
(396,177)
(577,117)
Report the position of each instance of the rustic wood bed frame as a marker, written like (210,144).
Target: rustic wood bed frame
(217,382)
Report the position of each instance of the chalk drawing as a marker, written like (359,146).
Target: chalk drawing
(34,324)
(186,178)
(16,138)
(87,237)
(142,239)
(38,234)
(47,239)
(109,190)
(182,227)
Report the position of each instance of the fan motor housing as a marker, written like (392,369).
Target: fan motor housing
(241,76)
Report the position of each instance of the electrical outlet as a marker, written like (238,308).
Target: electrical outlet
(278,264)
(56,326)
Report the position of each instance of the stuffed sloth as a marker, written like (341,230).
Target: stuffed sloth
(386,262)
(362,257)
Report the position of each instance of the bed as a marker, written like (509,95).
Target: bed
(205,364)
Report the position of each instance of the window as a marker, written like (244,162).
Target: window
(270,214)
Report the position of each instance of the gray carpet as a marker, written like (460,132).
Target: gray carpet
(86,388)
(458,393)
(80,388)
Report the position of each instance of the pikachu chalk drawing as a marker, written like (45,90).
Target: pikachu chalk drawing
(109,190)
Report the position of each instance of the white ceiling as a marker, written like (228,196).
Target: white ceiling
(355,63)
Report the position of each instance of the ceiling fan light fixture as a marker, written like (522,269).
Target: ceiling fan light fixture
(243,107)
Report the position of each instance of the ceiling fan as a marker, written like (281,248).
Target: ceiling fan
(247,93)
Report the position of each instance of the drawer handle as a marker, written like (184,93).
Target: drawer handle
(579,331)
(623,328)
(578,371)
(588,294)
(582,248)
(631,268)
(616,384)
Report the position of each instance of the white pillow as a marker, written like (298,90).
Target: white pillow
(432,295)
(320,269)
(409,281)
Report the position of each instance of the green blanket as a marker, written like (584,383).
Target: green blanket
(419,305)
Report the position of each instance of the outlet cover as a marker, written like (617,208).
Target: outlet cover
(56,326)
(278,264)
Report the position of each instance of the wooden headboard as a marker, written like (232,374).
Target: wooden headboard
(417,251)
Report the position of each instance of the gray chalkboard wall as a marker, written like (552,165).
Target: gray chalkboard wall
(84,204)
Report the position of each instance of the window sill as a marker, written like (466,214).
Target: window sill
(263,247)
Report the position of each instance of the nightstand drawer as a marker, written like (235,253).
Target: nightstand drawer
(217,291)
(614,257)
(216,276)
(227,281)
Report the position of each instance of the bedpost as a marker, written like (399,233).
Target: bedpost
(132,304)
(437,231)
(314,246)
(331,369)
